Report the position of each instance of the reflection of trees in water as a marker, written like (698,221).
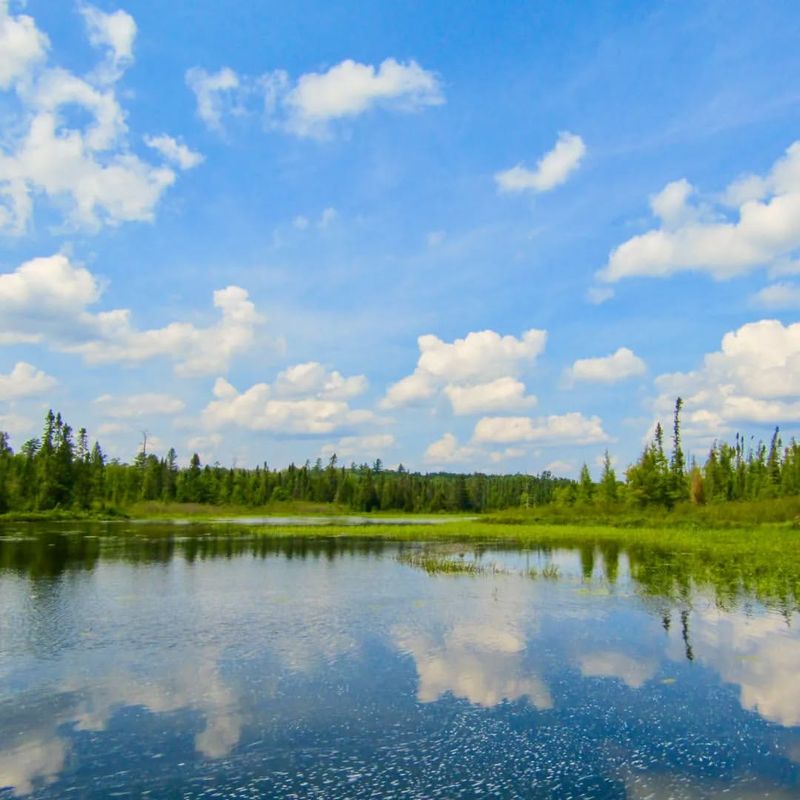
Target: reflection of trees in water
(47,551)
(44,552)
(48,554)
(676,575)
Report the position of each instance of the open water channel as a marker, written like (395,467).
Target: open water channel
(186,662)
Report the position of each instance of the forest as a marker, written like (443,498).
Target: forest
(61,471)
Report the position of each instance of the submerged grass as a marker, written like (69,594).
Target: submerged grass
(442,565)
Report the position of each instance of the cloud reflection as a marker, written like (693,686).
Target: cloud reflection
(759,654)
(633,672)
(35,762)
(480,662)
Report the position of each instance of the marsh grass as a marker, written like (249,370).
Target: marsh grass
(549,572)
(444,565)
(761,561)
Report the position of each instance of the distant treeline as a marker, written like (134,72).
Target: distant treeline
(61,471)
(736,471)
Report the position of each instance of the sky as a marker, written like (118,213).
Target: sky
(500,237)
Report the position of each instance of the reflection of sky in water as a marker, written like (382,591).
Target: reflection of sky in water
(351,674)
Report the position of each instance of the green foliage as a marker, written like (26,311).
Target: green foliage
(62,473)
(59,473)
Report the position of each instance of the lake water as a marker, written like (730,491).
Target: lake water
(180,663)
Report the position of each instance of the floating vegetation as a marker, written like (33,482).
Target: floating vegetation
(549,572)
(435,564)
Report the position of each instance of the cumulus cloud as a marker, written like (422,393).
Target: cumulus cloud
(552,169)
(496,456)
(360,447)
(304,399)
(497,395)
(753,378)
(349,89)
(311,378)
(25,380)
(622,364)
(778,296)
(85,167)
(174,151)
(138,405)
(561,429)
(116,32)
(22,45)
(447,450)
(46,300)
(477,373)
(307,106)
(756,224)
(215,94)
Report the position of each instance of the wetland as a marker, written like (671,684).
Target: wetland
(464,659)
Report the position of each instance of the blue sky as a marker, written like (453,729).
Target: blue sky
(503,239)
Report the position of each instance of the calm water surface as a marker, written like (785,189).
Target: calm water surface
(180,663)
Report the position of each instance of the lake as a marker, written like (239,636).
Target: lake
(188,662)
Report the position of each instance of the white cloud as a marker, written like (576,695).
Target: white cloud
(360,447)
(778,296)
(138,405)
(85,167)
(328,217)
(479,356)
(46,299)
(407,391)
(116,32)
(307,106)
(22,45)
(205,446)
(174,151)
(571,428)
(25,380)
(622,364)
(349,89)
(501,394)
(671,204)
(196,351)
(597,295)
(448,451)
(300,222)
(305,399)
(312,379)
(496,456)
(694,238)
(560,467)
(215,94)
(754,377)
(552,169)
(475,373)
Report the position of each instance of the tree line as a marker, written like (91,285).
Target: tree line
(60,470)
(740,470)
